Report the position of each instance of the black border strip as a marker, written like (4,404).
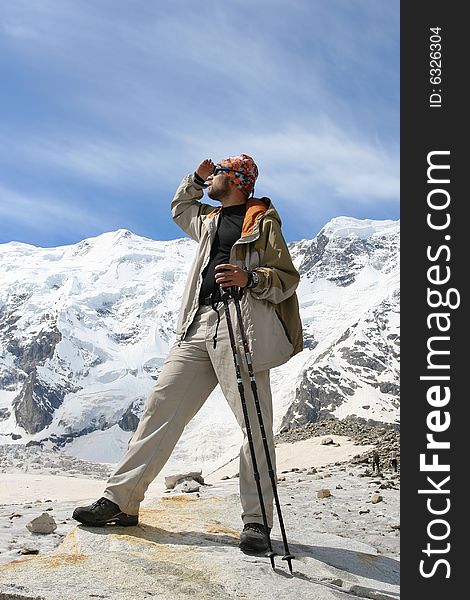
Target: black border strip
(433,124)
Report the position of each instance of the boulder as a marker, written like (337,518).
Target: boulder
(172,480)
(43,524)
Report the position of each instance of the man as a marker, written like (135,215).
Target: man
(240,244)
(394,461)
(375,461)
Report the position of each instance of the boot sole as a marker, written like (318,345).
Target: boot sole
(252,549)
(253,546)
(119,520)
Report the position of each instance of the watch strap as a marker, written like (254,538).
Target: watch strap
(253,279)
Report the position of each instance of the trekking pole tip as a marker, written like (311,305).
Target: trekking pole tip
(289,558)
(271,556)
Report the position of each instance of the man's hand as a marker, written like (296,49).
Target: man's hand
(205,168)
(227,275)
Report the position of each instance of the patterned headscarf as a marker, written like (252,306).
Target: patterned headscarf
(243,171)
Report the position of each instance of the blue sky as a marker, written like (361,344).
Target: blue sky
(107,104)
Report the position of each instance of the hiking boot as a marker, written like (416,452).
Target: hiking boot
(103,512)
(253,538)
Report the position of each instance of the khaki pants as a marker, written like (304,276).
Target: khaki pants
(189,374)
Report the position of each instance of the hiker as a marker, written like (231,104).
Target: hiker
(240,244)
(393,461)
(375,461)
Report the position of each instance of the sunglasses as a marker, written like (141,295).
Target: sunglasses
(218,170)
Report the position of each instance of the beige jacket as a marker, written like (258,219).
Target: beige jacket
(270,310)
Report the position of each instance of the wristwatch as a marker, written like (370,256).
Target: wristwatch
(253,279)
(199,180)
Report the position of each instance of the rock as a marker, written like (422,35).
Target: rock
(327,441)
(189,486)
(42,524)
(172,480)
(395,526)
(324,493)
(317,476)
(339,487)
(224,477)
(28,550)
(375,498)
(364,511)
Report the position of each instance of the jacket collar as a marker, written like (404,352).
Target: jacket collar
(255,209)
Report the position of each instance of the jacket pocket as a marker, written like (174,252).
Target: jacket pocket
(270,345)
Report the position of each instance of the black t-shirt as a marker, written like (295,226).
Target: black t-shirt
(228,232)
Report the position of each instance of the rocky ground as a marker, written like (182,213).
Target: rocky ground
(35,459)
(384,439)
(341,500)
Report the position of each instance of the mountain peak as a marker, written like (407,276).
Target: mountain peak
(115,237)
(359,228)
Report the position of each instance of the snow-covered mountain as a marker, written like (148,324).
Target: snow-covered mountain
(85,328)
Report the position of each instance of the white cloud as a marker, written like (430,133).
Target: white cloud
(135,96)
(296,163)
(40,213)
(100,160)
(293,162)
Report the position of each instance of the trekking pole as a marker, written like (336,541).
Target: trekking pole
(288,556)
(225,295)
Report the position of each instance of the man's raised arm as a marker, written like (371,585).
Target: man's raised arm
(186,209)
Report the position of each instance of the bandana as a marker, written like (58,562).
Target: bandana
(242,170)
